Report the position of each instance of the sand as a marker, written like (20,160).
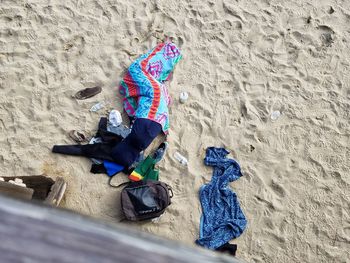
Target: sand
(242,61)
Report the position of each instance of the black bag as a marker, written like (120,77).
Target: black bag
(146,199)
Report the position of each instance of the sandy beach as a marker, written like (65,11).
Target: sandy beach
(242,61)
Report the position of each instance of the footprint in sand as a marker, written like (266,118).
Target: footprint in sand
(278,189)
(327,35)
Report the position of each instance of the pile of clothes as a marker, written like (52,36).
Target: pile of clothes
(145,100)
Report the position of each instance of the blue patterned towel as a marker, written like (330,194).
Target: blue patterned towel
(222,218)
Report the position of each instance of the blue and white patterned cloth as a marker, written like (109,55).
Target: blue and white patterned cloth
(222,218)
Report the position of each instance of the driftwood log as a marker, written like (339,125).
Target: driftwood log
(33,232)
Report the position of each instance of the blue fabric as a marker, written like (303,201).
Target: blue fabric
(222,218)
(112,168)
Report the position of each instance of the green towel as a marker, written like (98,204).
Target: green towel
(145,170)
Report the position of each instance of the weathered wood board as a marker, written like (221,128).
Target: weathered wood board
(31,232)
(16,191)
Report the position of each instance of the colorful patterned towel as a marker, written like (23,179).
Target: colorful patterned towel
(145,95)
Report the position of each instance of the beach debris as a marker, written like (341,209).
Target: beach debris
(275,115)
(182,159)
(183,97)
(115,118)
(98,106)
(308,20)
(331,10)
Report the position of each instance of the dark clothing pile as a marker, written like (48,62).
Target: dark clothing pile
(113,147)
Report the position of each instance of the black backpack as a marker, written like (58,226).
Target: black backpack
(145,199)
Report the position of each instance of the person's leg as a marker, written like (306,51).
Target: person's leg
(142,134)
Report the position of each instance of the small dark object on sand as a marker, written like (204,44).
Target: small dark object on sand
(77,136)
(87,93)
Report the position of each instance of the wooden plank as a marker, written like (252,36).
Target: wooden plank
(57,191)
(30,232)
(40,183)
(16,191)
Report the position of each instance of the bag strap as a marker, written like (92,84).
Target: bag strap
(116,186)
